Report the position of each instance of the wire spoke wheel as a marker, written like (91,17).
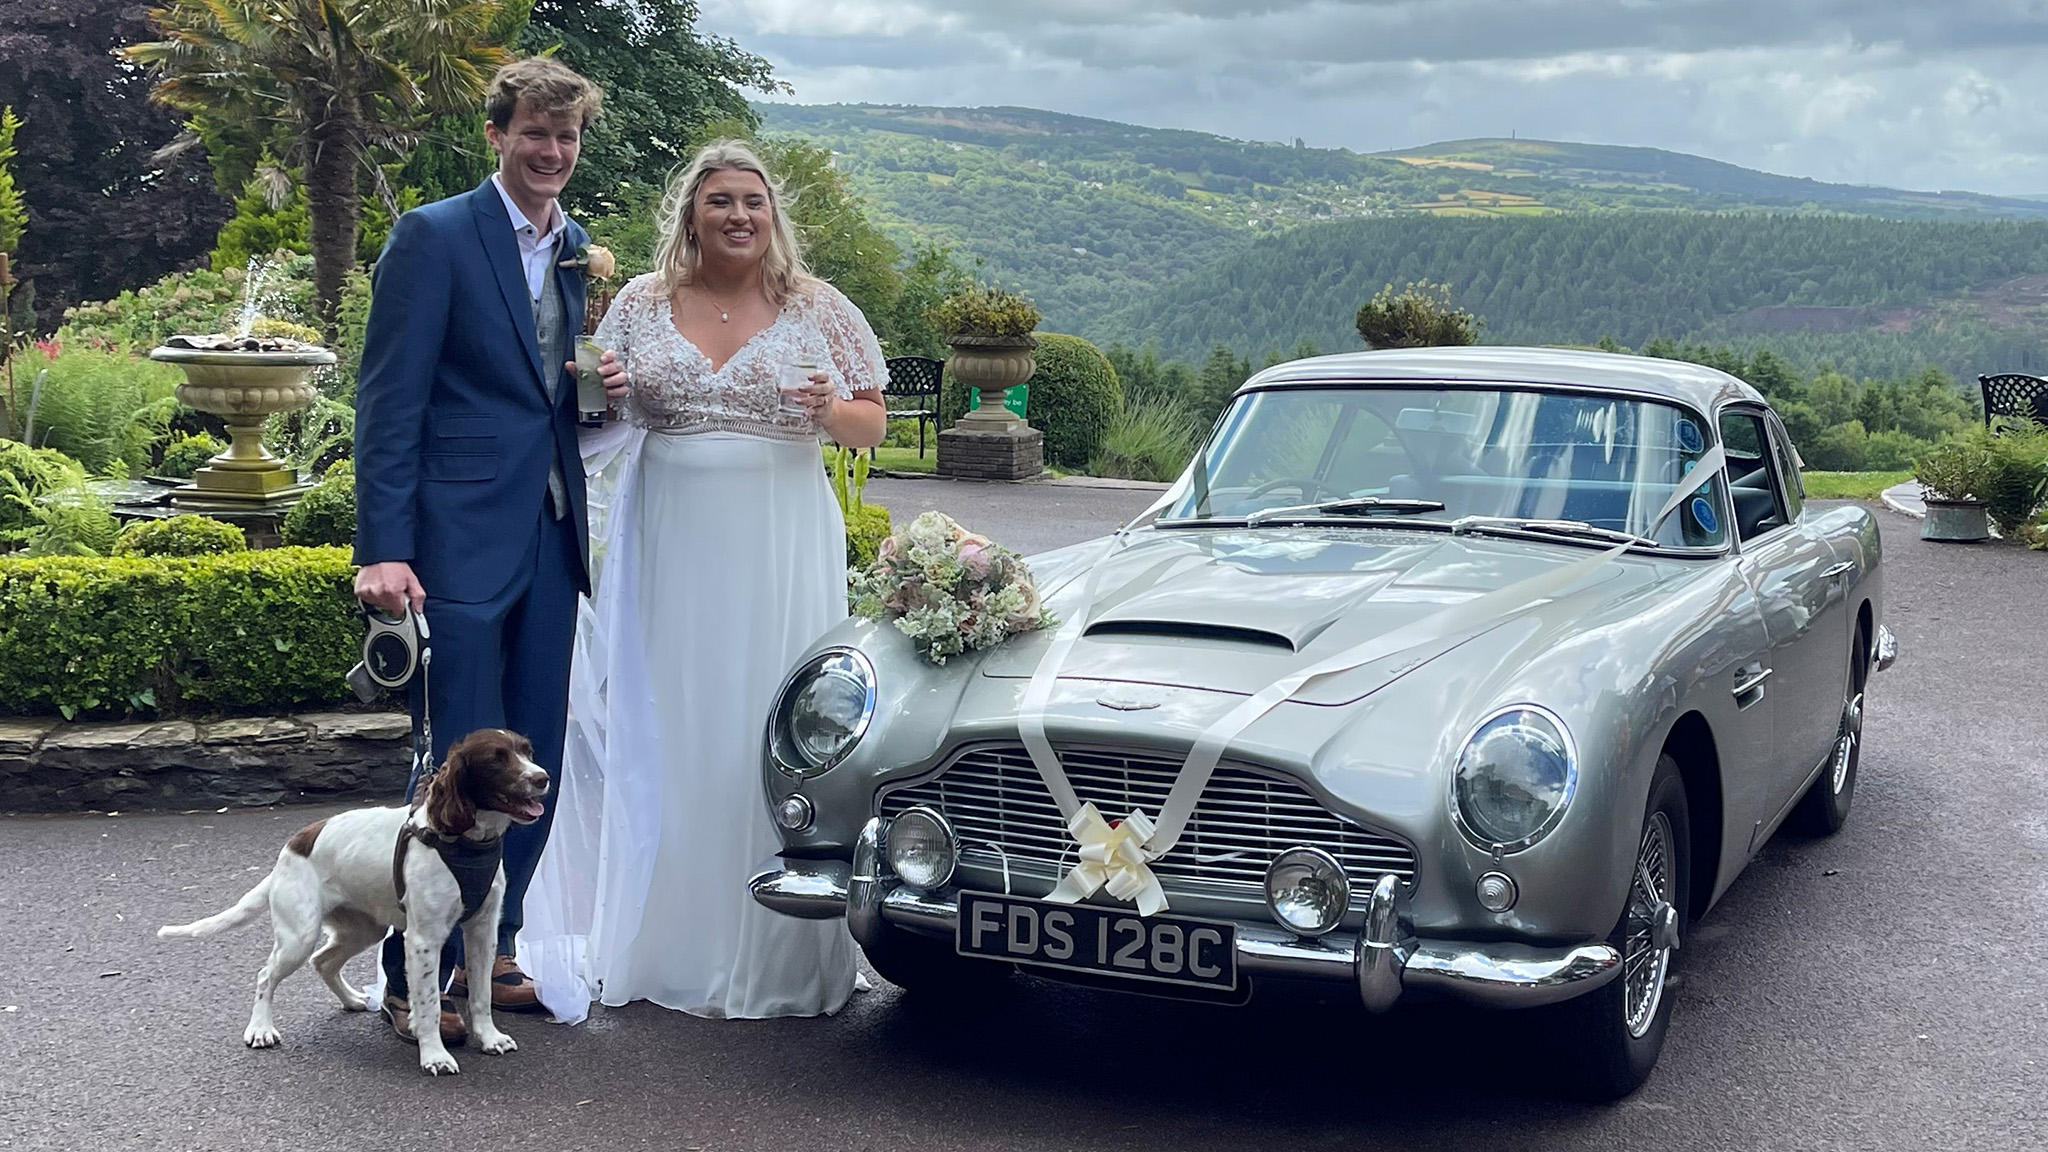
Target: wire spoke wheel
(1846,744)
(1645,959)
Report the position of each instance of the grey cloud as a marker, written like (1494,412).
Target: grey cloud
(1922,94)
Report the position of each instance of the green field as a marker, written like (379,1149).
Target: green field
(1850,485)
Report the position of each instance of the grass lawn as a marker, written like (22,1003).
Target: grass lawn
(900,459)
(1850,485)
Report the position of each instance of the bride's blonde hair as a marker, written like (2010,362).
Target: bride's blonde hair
(677,255)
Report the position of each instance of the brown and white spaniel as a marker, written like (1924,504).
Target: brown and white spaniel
(357,874)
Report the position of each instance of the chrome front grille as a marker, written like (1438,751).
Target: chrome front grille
(992,794)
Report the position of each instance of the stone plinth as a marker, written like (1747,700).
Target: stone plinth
(178,765)
(1009,453)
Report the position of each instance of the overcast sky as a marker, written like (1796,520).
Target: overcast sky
(1926,94)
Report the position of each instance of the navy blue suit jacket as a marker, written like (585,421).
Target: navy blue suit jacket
(454,432)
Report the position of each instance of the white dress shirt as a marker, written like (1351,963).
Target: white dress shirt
(536,248)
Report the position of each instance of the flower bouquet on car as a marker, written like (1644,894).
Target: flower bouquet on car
(948,589)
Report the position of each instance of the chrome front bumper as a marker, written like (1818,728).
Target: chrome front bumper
(1383,961)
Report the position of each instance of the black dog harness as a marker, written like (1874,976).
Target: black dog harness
(474,862)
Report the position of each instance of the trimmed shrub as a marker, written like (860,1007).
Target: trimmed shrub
(186,455)
(28,474)
(327,514)
(272,630)
(185,535)
(866,527)
(1074,398)
(980,310)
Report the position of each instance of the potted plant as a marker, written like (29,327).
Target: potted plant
(1951,480)
(989,330)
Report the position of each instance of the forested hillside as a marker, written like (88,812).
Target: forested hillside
(1871,296)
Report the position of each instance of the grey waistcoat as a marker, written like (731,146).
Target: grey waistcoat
(551,326)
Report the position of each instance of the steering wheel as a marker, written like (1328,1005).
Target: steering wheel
(1310,489)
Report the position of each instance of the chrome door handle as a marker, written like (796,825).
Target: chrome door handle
(1749,683)
(1837,570)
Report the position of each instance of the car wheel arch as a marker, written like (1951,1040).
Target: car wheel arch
(1691,743)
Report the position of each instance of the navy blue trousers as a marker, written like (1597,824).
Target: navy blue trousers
(504,663)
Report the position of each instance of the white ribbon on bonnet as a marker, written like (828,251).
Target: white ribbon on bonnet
(1117,856)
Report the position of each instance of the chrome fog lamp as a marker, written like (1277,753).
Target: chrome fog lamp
(823,710)
(922,849)
(1307,890)
(1496,892)
(794,814)
(1514,778)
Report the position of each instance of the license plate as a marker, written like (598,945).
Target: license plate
(1088,938)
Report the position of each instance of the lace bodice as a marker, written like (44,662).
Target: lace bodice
(674,388)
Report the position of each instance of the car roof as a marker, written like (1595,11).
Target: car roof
(1698,386)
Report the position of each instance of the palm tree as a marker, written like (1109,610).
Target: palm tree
(342,76)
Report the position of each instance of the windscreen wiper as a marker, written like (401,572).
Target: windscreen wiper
(1578,529)
(1348,506)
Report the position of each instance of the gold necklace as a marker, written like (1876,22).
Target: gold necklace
(724,312)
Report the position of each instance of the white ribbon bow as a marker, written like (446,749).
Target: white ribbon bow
(1112,857)
(1117,858)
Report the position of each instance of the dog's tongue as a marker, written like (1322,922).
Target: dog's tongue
(528,809)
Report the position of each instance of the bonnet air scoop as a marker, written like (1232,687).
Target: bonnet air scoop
(1191,630)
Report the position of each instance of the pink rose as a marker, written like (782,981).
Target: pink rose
(978,559)
(888,550)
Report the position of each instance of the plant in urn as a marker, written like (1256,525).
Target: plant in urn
(989,331)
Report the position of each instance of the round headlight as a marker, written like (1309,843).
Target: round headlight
(1514,779)
(823,710)
(1307,890)
(921,849)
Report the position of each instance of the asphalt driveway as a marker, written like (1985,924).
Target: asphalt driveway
(1880,990)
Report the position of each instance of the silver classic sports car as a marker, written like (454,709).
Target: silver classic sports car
(1471,672)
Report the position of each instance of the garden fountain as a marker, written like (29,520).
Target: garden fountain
(243,379)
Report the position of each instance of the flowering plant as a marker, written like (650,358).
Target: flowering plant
(948,589)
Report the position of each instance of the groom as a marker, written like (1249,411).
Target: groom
(469,487)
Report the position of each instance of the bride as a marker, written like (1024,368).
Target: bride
(720,556)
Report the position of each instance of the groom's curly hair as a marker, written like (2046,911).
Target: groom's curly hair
(545,84)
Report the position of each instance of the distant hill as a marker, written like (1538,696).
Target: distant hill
(1656,171)
(1874,297)
(1134,234)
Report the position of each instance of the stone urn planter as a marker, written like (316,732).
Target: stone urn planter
(992,365)
(1956,521)
(991,442)
(243,380)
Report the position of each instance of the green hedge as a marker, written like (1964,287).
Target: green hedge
(273,630)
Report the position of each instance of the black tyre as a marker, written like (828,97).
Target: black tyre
(1825,807)
(928,965)
(1616,1032)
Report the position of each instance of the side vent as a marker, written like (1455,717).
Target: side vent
(1183,629)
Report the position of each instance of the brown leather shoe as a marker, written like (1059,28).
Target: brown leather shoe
(454,1033)
(511,989)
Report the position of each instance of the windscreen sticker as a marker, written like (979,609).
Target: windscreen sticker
(1689,436)
(1703,514)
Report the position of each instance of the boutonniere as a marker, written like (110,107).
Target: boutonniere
(596,260)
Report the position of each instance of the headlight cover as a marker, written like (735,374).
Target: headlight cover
(822,712)
(1514,778)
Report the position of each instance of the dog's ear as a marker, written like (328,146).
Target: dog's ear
(450,808)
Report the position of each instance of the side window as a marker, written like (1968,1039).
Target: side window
(1788,468)
(1756,496)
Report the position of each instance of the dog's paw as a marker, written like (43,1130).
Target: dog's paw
(438,1064)
(262,1036)
(353,1000)
(497,1045)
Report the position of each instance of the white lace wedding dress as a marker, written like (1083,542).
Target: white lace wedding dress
(720,556)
